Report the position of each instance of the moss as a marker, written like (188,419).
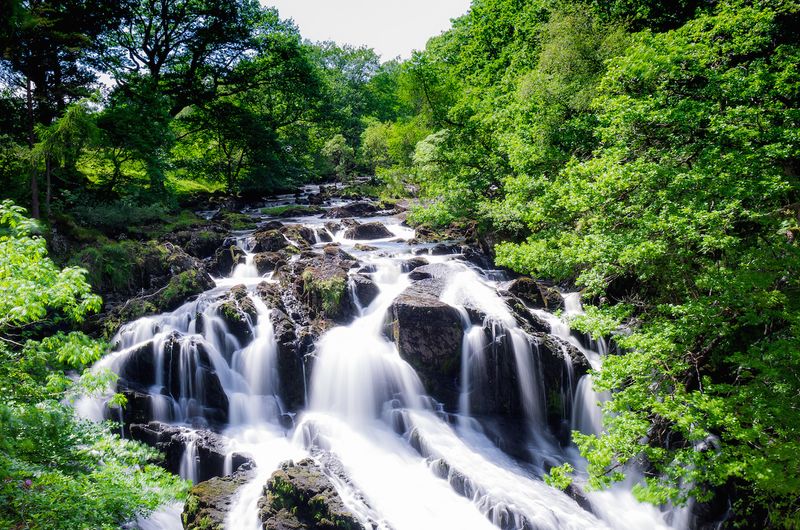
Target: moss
(327,292)
(179,288)
(237,221)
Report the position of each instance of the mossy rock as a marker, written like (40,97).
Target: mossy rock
(183,286)
(209,502)
(300,496)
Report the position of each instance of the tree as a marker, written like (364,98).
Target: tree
(59,472)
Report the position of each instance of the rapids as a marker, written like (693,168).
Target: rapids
(410,464)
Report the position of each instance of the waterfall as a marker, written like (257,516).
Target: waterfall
(416,464)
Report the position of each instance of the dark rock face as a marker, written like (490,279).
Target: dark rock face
(267,261)
(413,263)
(200,243)
(301,235)
(368,231)
(225,259)
(207,399)
(562,364)
(171,440)
(209,502)
(239,313)
(268,241)
(428,334)
(300,496)
(365,289)
(290,362)
(354,209)
(535,294)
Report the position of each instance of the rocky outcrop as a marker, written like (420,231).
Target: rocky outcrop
(268,261)
(535,294)
(184,360)
(200,242)
(428,334)
(268,241)
(367,231)
(225,259)
(353,209)
(300,496)
(209,502)
(172,440)
(365,289)
(239,313)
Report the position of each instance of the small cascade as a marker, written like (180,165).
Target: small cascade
(473,368)
(357,370)
(190,462)
(258,400)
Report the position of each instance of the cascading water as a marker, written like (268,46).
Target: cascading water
(411,463)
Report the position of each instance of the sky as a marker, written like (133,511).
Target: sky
(390,27)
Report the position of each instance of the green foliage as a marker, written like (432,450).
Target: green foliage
(59,472)
(560,477)
(657,171)
(340,156)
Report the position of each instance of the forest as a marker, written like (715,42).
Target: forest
(643,153)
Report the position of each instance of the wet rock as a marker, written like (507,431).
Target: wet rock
(435,270)
(239,313)
(201,242)
(209,502)
(267,261)
(289,361)
(353,209)
(365,289)
(300,496)
(333,226)
(528,321)
(372,230)
(413,263)
(364,248)
(428,334)
(187,366)
(302,236)
(171,441)
(270,225)
(225,259)
(268,241)
(181,287)
(323,235)
(441,249)
(535,294)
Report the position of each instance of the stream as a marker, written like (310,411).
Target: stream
(406,461)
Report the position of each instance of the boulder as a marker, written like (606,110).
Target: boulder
(300,496)
(365,289)
(225,259)
(201,242)
(535,294)
(302,236)
(269,241)
(353,209)
(171,440)
(267,261)
(435,270)
(239,313)
(413,263)
(374,230)
(209,502)
(428,334)
(183,359)
(289,361)
(181,287)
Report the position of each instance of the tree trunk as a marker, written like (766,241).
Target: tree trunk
(48,165)
(31,140)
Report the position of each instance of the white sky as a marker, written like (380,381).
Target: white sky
(391,27)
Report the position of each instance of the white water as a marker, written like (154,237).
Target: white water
(368,407)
